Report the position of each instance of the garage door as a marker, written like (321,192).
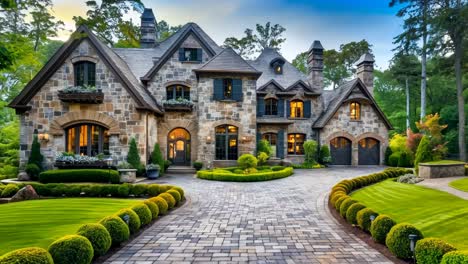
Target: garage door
(369,151)
(340,149)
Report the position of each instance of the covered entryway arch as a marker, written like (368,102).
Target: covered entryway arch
(178,146)
(340,150)
(369,151)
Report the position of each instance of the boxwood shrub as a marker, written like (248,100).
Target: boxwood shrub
(117,229)
(139,189)
(99,237)
(10,190)
(380,228)
(345,205)
(143,213)
(153,208)
(455,257)
(352,212)
(134,222)
(153,189)
(363,218)
(72,249)
(175,194)
(180,190)
(171,202)
(31,255)
(339,201)
(431,250)
(161,203)
(229,176)
(398,241)
(81,175)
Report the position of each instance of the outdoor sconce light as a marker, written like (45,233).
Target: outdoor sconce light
(412,238)
(126,219)
(372,218)
(43,137)
(208,139)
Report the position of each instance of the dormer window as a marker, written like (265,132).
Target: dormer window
(190,54)
(355,111)
(277,65)
(85,73)
(279,69)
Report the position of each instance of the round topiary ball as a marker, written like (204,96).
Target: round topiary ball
(455,257)
(352,211)
(153,190)
(31,255)
(335,196)
(171,202)
(133,223)
(398,241)
(72,249)
(363,218)
(143,213)
(161,203)
(117,229)
(99,237)
(175,194)
(431,250)
(345,205)
(153,208)
(380,228)
(339,201)
(246,161)
(180,190)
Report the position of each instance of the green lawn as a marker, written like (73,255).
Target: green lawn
(40,222)
(443,162)
(435,213)
(461,184)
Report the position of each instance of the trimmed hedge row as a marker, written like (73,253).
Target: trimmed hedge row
(95,239)
(226,175)
(385,230)
(81,175)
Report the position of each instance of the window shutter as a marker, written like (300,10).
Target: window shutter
(281,107)
(280,144)
(259,137)
(288,108)
(199,55)
(260,106)
(307,108)
(181,54)
(237,89)
(218,91)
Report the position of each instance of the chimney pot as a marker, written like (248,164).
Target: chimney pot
(315,65)
(365,71)
(149,29)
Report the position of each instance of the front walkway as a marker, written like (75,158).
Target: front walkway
(443,185)
(280,221)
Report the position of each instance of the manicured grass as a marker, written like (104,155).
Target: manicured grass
(443,162)
(40,222)
(435,213)
(461,184)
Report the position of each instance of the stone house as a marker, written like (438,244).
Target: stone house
(199,101)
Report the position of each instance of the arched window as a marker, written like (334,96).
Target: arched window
(296,144)
(297,109)
(272,138)
(87,139)
(226,142)
(178,146)
(175,92)
(355,111)
(271,106)
(85,73)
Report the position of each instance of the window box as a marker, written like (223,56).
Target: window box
(179,105)
(88,95)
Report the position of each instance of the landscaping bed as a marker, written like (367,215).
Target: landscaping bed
(236,174)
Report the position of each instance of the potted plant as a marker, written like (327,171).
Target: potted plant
(127,172)
(152,171)
(198,165)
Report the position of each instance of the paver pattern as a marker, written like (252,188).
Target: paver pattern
(280,221)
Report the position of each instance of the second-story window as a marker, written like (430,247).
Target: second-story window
(355,111)
(85,73)
(175,92)
(227,89)
(297,109)
(271,107)
(190,54)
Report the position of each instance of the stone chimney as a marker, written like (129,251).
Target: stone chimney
(365,71)
(149,29)
(315,65)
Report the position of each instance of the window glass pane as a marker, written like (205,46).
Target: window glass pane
(170,93)
(187,93)
(296,144)
(178,92)
(95,131)
(226,142)
(105,144)
(220,129)
(355,111)
(297,109)
(92,139)
(232,153)
(83,140)
(71,147)
(171,150)
(220,147)
(79,74)
(91,74)
(232,129)
(227,84)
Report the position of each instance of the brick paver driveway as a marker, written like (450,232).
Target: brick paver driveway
(280,221)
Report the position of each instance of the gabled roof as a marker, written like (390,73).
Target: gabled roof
(169,46)
(142,97)
(334,99)
(227,61)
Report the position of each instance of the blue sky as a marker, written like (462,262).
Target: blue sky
(333,22)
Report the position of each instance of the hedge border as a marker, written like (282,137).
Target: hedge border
(131,236)
(342,189)
(233,177)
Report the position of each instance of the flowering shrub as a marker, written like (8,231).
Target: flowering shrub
(80,89)
(75,159)
(177,102)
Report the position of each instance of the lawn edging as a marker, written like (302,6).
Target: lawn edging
(226,175)
(382,228)
(94,240)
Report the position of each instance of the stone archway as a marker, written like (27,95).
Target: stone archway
(58,124)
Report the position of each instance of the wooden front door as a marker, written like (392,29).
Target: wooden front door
(178,147)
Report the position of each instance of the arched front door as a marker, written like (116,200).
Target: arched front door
(340,149)
(369,151)
(178,146)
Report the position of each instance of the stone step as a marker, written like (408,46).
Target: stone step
(180,170)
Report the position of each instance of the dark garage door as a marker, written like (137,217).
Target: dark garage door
(369,151)
(340,149)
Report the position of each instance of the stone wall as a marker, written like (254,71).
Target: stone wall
(118,105)
(370,125)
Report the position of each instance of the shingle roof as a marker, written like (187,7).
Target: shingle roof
(366,57)
(227,61)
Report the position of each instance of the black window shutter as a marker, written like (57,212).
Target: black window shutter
(307,108)
(281,107)
(237,89)
(199,55)
(260,106)
(280,144)
(288,108)
(181,54)
(218,90)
